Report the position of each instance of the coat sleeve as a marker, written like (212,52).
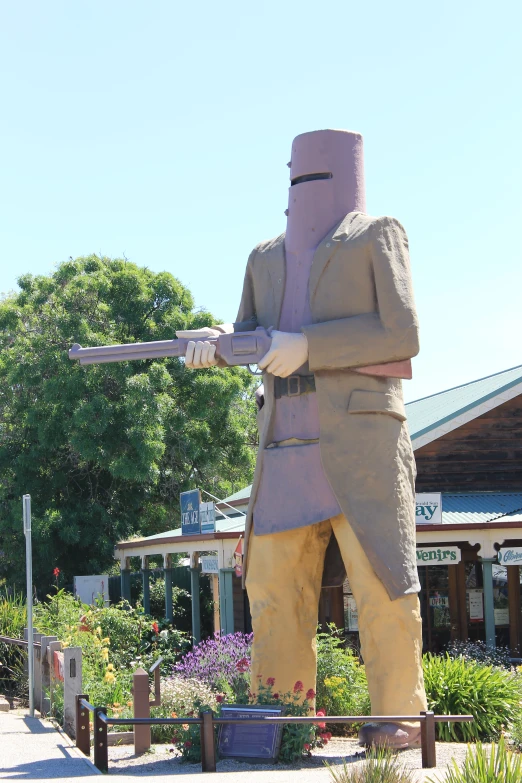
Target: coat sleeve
(246,320)
(387,335)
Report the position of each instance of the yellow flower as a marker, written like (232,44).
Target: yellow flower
(110,667)
(98,631)
(109,677)
(129,704)
(173,715)
(105,653)
(106,640)
(116,703)
(64,645)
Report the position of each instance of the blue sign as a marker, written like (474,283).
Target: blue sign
(189,502)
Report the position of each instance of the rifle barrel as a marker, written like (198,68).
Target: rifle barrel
(105,354)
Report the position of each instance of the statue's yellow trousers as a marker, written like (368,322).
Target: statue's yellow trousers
(284,573)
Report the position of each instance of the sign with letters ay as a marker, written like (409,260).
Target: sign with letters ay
(428,509)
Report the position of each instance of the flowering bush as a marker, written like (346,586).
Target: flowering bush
(183,698)
(298,739)
(341,680)
(222,662)
(480,652)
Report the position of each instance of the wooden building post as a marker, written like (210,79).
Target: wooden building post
(513,580)
(194,591)
(145,578)
(167,571)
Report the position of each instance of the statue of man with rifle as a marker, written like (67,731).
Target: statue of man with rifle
(327,313)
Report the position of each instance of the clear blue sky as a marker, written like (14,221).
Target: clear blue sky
(161,130)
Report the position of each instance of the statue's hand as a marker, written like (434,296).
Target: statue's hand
(201,353)
(287,353)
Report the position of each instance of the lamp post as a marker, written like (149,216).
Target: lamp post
(26,502)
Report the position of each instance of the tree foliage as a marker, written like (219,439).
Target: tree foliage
(104,450)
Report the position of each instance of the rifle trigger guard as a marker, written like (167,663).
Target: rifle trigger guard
(259,372)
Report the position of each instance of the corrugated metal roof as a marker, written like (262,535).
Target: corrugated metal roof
(430,412)
(474,508)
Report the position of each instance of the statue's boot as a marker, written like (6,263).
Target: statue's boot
(390,735)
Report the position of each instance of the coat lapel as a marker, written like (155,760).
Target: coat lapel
(326,250)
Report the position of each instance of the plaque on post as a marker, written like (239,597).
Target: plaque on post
(189,502)
(254,742)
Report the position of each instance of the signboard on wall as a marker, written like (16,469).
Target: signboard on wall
(190,502)
(209,564)
(351,617)
(428,508)
(476,606)
(510,556)
(438,555)
(91,588)
(207,517)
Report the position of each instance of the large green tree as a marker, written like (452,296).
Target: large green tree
(104,450)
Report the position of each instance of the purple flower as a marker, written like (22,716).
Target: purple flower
(218,659)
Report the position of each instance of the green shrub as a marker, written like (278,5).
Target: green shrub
(500,766)
(381,766)
(342,688)
(181,698)
(13,619)
(458,686)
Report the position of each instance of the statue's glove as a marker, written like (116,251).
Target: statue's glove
(202,353)
(287,353)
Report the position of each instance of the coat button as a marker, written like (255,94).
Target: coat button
(328,244)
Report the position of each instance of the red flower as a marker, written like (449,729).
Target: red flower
(324,737)
(155,627)
(175,738)
(56,572)
(298,687)
(310,694)
(329,735)
(243,665)
(306,746)
(220,698)
(188,744)
(275,696)
(321,714)
(271,681)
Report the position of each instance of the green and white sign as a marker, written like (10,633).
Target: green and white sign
(438,555)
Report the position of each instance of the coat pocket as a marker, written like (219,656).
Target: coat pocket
(362,401)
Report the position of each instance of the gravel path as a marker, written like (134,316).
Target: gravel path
(159,762)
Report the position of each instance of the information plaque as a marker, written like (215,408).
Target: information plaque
(255,742)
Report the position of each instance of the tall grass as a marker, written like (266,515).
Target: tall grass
(456,686)
(500,766)
(13,619)
(381,766)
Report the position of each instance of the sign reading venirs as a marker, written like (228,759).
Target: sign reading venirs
(428,509)
(438,555)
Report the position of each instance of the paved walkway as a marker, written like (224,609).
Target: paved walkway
(32,749)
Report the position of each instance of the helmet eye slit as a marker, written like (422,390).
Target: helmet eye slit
(311,177)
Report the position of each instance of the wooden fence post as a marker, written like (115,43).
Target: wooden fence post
(45,677)
(140,691)
(83,734)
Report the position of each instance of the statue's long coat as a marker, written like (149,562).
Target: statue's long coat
(363,313)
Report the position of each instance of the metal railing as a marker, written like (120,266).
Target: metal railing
(17,642)
(207,722)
